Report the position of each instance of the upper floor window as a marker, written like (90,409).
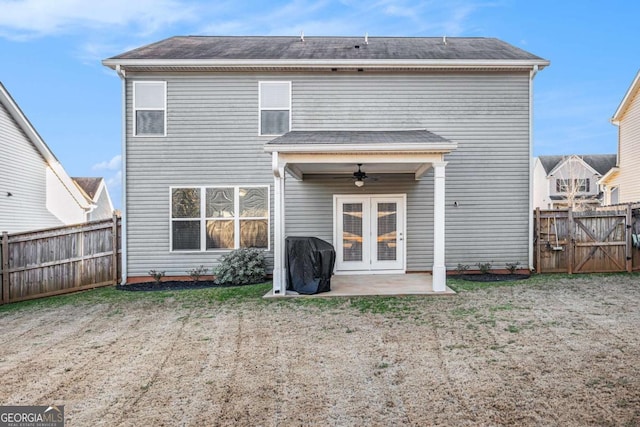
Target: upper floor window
(149,108)
(578,185)
(275,108)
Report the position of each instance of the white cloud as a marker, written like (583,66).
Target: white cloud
(113,164)
(346,17)
(24,19)
(114,181)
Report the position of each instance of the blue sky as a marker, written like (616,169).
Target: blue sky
(50,52)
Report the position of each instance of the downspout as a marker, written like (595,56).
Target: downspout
(123,230)
(532,74)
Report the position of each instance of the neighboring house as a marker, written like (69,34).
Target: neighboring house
(622,183)
(563,181)
(35,190)
(242,141)
(95,190)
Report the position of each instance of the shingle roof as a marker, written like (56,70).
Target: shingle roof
(328,48)
(600,162)
(88,185)
(358,137)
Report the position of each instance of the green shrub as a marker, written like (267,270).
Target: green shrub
(484,267)
(157,275)
(241,267)
(462,268)
(196,273)
(513,266)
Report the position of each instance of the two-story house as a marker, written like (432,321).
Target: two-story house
(35,190)
(622,183)
(560,182)
(407,154)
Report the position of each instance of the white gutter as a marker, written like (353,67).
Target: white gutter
(123,231)
(114,63)
(532,74)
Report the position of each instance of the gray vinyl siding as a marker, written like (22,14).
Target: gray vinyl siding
(212,139)
(23,174)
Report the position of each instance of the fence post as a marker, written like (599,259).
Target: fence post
(628,252)
(570,240)
(114,246)
(5,267)
(538,255)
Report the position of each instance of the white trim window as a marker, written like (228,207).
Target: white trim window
(149,108)
(275,108)
(578,185)
(219,218)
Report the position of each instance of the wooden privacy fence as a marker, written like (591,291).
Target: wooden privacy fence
(599,241)
(60,260)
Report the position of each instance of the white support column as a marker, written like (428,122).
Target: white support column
(439,268)
(279,272)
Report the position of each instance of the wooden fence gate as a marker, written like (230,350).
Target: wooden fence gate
(604,240)
(60,260)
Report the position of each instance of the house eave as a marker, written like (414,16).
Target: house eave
(635,86)
(32,134)
(426,148)
(148,65)
(613,172)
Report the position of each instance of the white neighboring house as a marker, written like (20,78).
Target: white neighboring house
(35,190)
(95,190)
(622,183)
(572,180)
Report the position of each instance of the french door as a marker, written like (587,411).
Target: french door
(369,233)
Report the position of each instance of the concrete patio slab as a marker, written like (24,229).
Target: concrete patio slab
(355,285)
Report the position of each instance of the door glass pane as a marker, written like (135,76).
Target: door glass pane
(352,231)
(387,231)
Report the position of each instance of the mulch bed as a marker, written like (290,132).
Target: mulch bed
(171,285)
(491,277)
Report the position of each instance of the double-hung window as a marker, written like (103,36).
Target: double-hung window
(149,108)
(578,185)
(275,108)
(215,218)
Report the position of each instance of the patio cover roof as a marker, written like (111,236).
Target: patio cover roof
(338,151)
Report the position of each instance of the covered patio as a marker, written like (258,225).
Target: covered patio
(299,153)
(358,285)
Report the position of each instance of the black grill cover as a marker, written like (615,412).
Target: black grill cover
(309,263)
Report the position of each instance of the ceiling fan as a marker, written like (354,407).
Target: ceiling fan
(359,176)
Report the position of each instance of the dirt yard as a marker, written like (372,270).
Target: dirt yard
(565,352)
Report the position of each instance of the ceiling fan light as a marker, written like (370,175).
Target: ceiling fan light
(359,183)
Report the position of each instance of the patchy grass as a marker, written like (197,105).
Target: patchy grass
(397,306)
(553,350)
(110,295)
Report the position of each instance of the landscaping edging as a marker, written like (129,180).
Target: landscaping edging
(491,277)
(173,285)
